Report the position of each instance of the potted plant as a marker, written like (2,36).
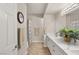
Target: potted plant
(64,33)
(69,34)
(74,35)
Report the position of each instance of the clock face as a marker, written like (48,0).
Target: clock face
(20,17)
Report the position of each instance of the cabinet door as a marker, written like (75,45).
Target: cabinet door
(49,45)
(57,50)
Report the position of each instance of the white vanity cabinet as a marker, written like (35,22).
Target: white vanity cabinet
(53,47)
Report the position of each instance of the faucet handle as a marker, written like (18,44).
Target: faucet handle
(57,34)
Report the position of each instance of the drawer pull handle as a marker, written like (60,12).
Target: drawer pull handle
(53,46)
(53,50)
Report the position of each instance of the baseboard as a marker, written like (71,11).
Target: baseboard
(37,41)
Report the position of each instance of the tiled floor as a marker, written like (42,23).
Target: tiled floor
(38,49)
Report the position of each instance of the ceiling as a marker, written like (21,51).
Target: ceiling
(37,9)
(55,7)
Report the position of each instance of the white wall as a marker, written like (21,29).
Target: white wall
(35,22)
(54,22)
(23,8)
(60,21)
(49,21)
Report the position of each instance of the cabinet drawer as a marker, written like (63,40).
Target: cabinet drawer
(58,50)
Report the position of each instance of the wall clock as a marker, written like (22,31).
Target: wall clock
(20,17)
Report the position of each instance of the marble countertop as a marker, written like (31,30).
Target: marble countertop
(69,48)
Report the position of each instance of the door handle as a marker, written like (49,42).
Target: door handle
(15,47)
(53,50)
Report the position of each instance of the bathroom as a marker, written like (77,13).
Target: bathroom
(34,28)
